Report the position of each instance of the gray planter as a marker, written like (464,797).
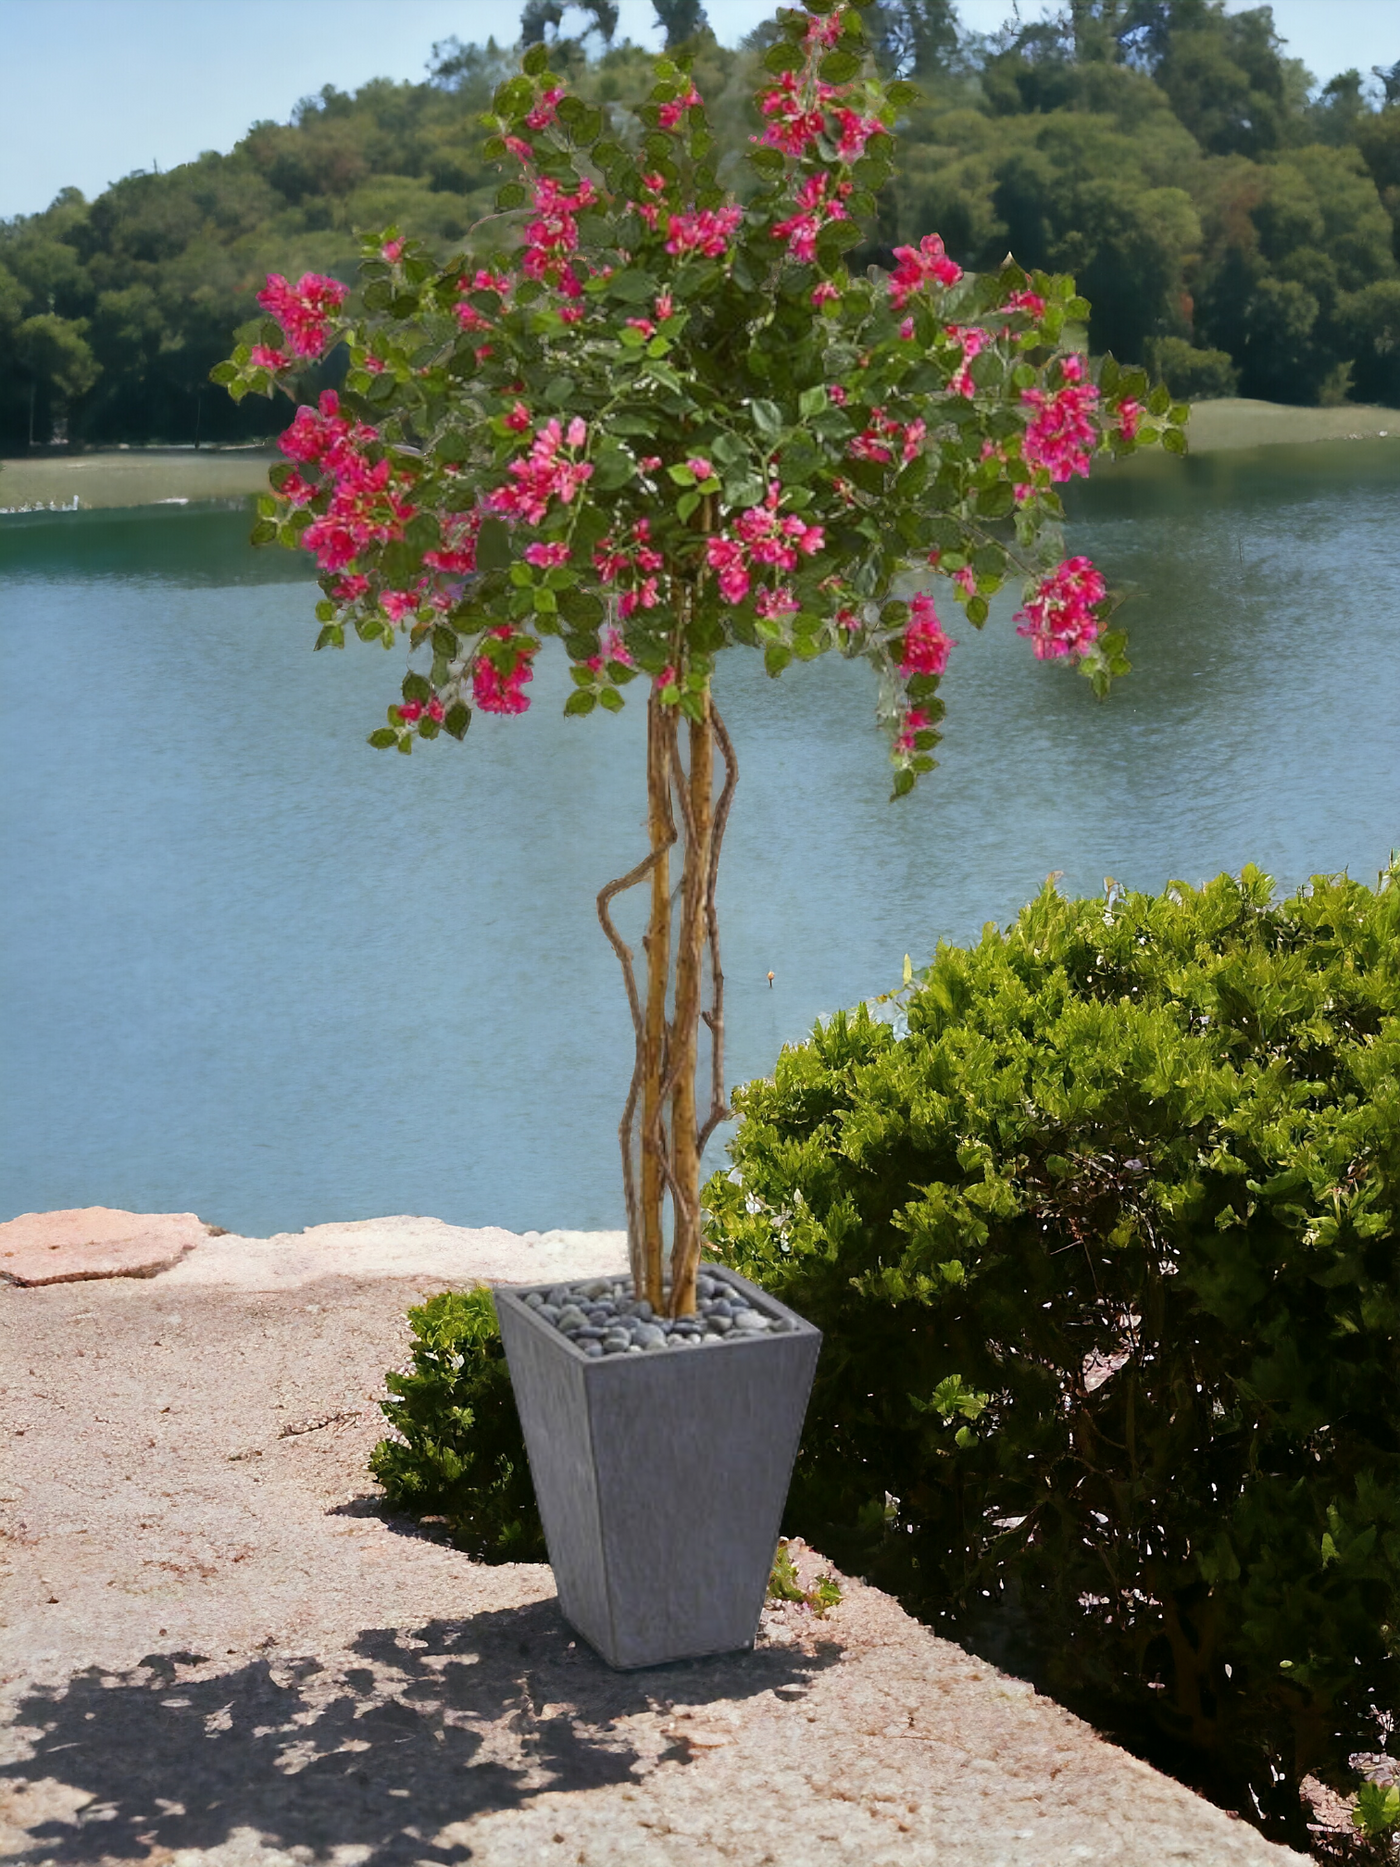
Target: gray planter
(661,1478)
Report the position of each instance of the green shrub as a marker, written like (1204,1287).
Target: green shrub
(1192,375)
(1105,1252)
(460,1453)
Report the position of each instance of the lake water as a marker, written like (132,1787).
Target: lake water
(253,969)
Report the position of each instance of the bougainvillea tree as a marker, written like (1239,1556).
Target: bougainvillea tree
(656,421)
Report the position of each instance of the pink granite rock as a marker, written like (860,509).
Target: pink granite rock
(94,1241)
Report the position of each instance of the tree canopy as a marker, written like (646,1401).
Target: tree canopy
(1234,225)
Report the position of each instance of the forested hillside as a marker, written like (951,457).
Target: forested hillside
(1234,226)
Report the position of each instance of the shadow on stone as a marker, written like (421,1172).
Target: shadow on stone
(431,1727)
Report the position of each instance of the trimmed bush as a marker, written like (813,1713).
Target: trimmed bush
(1192,375)
(1105,1251)
(460,1453)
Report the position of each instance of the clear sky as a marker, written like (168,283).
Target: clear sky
(92,89)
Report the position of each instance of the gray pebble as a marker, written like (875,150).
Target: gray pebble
(593,1350)
(549,1311)
(650,1336)
(749,1322)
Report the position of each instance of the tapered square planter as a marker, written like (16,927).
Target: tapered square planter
(661,1477)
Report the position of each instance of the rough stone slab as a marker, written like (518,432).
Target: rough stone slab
(95,1241)
(218,1652)
(401,1246)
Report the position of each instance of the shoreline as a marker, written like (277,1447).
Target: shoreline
(135,477)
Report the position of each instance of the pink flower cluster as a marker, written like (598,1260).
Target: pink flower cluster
(551,470)
(304,310)
(546,108)
(919,267)
(814,211)
(669,114)
(467,314)
(495,691)
(368,502)
(792,128)
(882,434)
(914,722)
(1059,619)
(762,536)
(707,231)
(633,564)
(926,647)
(1130,414)
(972,340)
(458,554)
(1060,435)
(553,234)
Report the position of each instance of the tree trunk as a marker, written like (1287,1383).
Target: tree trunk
(657,946)
(690,961)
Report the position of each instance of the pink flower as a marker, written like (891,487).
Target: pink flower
(397,604)
(518,419)
(669,114)
(542,474)
(855,132)
(972,340)
(915,721)
(800,230)
(545,557)
(263,357)
(700,467)
(1130,414)
(919,267)
(347,589)
(409,711)
(1060,435)
(664,307)
(649,462)
(644,325)
(773,605)
(791,127)
(926,647)
(1059,617)
(666,678)
(392,250)
(304,310)
(704,232)
(296,490)
(544,112)
(436,710)
(611,646)
(823,293)
(1026,301)
(519,148)
(494,692)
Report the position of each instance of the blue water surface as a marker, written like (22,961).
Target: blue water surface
(253,969)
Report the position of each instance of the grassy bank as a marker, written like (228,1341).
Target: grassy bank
(1236,422)
(140,477)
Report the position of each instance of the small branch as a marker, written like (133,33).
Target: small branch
(714,1017)
(629,977)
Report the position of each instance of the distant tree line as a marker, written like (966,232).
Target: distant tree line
(1235,226)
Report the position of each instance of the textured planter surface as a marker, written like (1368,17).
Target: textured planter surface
(661,1477)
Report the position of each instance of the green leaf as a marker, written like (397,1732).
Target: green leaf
(263,533)
(838,67)
(513,194)
(416,687)
(383,737)
(776,657)
(633,287)
(610,700)
(1173,441)
(767,417)
(580,703)
(536,61)
(493,545)
(457,719)
(812,401)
